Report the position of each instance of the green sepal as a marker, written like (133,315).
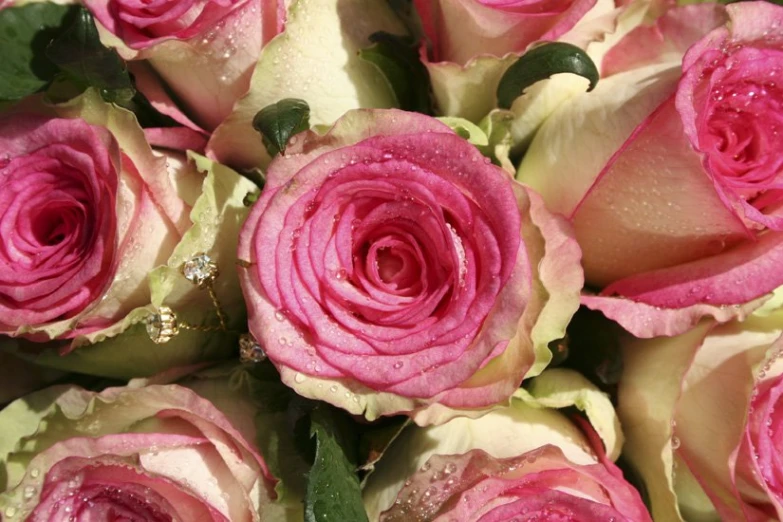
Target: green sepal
(397,58)
(539,64)
(279,121)
(79,53)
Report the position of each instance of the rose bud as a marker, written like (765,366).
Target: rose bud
(669,170)
(705,438)
(524,462)
(152,453)
(96,234)
(204,50)
(390,267)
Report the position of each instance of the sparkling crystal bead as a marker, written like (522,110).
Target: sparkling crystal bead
(200,270)
(249,350)
(162,325)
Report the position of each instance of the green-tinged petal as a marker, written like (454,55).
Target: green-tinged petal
(315,59)
(19,420)
(648,395)
(492,137)
(497,126)
(125,349)
(468,91)
(504,432)
(558,283)
(773,306)
(561,388)
(466,129)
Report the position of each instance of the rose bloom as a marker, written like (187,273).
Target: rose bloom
(523,463)
(708,435)
(204,50)
(389,266)
(86,211)
(154,453)
(669,170)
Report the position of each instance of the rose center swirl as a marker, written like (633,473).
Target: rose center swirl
(743,125)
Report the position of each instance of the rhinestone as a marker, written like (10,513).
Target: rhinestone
(249,349)
(200,270)
(162,325)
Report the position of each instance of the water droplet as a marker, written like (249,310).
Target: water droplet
(299,378)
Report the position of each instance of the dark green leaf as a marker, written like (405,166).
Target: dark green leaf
(375,439)
(281,120)
(86,62)
(594,349)
(333,492)
(24,34)
(397,58)
(539,64)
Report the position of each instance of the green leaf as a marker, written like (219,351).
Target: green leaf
(539,64)
(333,492)
(81,56)
(397,58)
(281,120)
(24,34)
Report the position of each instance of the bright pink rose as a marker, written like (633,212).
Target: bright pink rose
(82,222)
(674,184)
(153,454)
(463,29)
(539,485)
(390,266)
(205,50)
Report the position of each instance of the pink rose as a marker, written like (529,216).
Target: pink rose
(539,485)
(463,29)
(389,267)
(156,453)
(205,50)
(83,221)
(674,184)
(707,438)
(525,462)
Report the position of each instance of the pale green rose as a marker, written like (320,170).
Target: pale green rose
(698,411)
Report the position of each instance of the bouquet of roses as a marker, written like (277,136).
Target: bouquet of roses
(391,260)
